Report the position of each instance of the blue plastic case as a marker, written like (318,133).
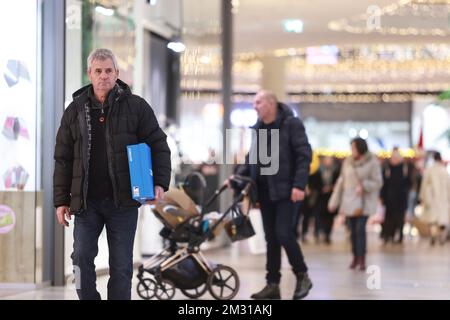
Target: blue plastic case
(141,173)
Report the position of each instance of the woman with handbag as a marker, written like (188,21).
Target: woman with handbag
(356,195)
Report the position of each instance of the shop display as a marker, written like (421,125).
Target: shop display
(15,177)
(15,70)
(15,127)
(7,219)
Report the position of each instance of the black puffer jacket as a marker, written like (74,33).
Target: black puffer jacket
(294,156)
(130,120)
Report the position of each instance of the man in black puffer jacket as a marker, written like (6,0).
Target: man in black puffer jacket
(91,179)
(280,185)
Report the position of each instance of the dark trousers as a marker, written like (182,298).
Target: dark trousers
(327,220)
(358,235)
(393,222)
(279,222)
(120,230)
(326,217)
(309,213)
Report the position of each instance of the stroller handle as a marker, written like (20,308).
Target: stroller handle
(246,189)
(236,178)
(239,178)
(249,183)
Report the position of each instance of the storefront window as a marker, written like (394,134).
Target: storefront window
(98,24)
(201,109)
(20,183)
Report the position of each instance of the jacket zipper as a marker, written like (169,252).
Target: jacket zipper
(86,168)
(110,155)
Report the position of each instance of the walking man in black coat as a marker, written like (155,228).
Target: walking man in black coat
(91,179)
(281,187)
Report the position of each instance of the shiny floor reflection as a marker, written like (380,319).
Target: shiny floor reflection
(413,270)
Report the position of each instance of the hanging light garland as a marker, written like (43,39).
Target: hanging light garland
(435,11)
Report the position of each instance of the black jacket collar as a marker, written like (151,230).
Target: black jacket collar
(122,90)
(283,112)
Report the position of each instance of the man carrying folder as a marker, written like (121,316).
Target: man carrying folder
(92,180)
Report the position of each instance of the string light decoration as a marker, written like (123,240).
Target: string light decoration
(385,68)
(392,19)
(200,68)
(375,68)
(407,153)
(354,98)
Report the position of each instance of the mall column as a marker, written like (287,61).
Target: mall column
(274,76)
(227,64)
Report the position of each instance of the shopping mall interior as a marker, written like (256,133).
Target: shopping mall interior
(378,70)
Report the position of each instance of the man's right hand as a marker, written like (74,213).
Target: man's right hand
(62,212)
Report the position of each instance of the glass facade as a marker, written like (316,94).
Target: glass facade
(21,191)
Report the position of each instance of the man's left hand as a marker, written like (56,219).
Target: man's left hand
(297,195)
(159,195)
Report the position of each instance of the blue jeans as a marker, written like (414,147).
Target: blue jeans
(358,235)
(120,230)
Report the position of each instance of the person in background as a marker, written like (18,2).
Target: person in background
(435,198)
(394,195)
(309,207)
(329,173)
(356,195)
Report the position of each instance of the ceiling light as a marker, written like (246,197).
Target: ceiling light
(364,134)
(205,59)
(293,25)
(176,46)
(104,11)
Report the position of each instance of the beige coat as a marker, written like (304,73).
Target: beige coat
(367,170)
(435,195)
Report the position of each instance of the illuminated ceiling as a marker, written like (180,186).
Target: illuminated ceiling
(382,45)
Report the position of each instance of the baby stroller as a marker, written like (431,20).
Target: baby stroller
(181,264)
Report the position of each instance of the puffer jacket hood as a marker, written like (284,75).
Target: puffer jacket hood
(283,112)
(121,89)
(294,156)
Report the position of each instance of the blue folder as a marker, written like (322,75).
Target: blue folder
(141,173)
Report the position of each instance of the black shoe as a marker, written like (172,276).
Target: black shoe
(433,241)
(270,291)
(303,286)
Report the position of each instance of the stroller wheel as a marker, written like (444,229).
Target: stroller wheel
(165,290)
(146,288)
(196,292)
(223,283)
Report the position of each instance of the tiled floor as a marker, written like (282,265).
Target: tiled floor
(414,270)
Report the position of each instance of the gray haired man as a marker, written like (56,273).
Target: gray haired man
(91,179)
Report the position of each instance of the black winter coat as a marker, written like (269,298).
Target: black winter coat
(130,120)
(396,185)
(295,156)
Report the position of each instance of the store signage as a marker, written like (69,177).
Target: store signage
(19,113)
(7,219)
